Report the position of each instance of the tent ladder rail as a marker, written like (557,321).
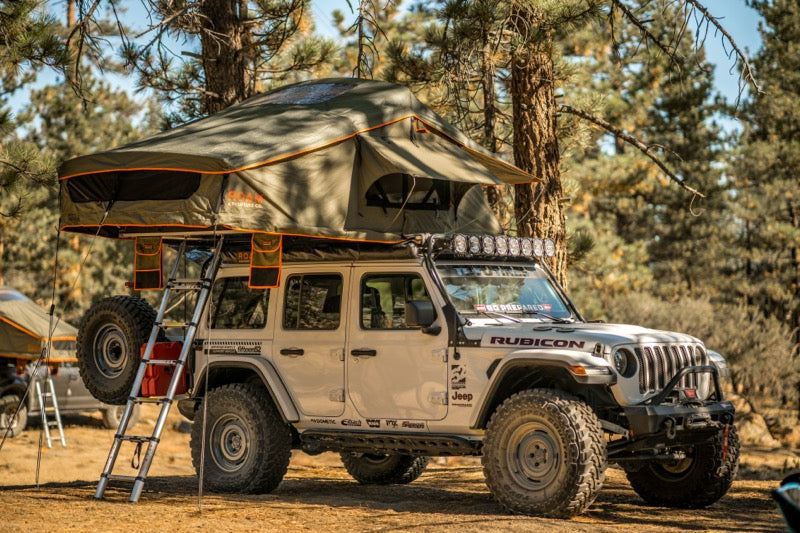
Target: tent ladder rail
(202,287)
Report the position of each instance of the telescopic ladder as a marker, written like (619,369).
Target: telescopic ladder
(44,393)
(202,287)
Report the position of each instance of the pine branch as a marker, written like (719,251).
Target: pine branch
(747,72)
(630,139)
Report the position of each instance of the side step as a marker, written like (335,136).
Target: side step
(315,441)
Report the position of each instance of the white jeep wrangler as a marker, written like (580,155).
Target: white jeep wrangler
(443,345)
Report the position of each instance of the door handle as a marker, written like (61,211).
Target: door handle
(360,352)
(292,351)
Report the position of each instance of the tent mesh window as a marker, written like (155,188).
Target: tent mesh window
(133,186)
(410,192)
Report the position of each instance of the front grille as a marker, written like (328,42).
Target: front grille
(658,364)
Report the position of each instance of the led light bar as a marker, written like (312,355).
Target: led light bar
(499,245)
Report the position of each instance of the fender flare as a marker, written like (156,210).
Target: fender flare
(268,376)
(522,358)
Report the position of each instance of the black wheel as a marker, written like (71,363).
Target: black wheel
(9,416)
(247,444)
(697,481)
(544,454)
(113,414)
(109,339)
(383,469)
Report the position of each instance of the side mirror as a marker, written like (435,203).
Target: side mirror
(420,313)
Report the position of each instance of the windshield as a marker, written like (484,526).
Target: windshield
(523,291)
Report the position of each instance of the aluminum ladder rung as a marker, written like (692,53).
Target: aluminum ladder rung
(120,477)
(203,288)
(163,362)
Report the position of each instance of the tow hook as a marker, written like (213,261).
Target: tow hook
(669,428)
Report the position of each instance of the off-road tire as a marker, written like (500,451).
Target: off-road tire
(382,469)
(8,406)
(696,482)
(247,445)
(113,414)
(109,339)
(544,454)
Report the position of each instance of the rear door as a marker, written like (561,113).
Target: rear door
(394,372)
(310,337)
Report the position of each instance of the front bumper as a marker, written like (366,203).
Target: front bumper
(657,425)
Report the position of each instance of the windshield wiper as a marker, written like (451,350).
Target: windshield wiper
(551,317)
(493,315)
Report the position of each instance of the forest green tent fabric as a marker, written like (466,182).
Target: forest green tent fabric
(344,158)
(24,328)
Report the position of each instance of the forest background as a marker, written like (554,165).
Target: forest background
(696,228)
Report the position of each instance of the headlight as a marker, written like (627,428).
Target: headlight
(474,244)
(513,246)
(722,365)
(625,362)
(460,244)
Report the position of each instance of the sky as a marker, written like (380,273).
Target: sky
(738,19)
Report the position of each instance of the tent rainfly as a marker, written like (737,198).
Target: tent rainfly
(24,327)
(337,158)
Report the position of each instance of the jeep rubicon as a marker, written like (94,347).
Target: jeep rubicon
(441,345)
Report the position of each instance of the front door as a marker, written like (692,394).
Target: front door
(394,372)
(310,338)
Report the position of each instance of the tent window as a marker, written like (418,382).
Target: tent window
(411,192)
(133,186)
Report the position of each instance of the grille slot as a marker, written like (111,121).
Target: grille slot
(659,363)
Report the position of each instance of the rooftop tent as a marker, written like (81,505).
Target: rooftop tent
(24,327)
(344,158)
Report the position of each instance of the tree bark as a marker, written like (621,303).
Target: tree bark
(493,194)
(537,207)
(224,57)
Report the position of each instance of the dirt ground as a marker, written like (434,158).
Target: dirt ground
(317,494)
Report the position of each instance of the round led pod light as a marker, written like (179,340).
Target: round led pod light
(474,244)
(549,248)
(501,242)
(460,244)
(513,246)
(538,247)
(526,247)
(488,245)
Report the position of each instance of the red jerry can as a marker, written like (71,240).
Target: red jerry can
(156,378)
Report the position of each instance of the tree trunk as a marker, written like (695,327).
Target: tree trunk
(493,194)
(224,56)
(537,207)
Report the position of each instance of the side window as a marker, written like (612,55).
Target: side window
(384,297)
(313,301)
(236,306)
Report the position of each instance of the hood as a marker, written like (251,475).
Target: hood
(578,336)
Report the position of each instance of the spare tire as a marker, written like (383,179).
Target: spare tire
(109,338)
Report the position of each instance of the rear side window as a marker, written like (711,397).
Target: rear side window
(384,297)
(313,301)
(234,305)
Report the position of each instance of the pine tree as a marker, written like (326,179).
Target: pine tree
(531,32)
(65,126)
(231,49)
(766,171)
(29,41)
